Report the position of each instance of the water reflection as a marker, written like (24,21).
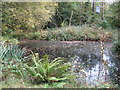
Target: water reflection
(94,69)
(115,68)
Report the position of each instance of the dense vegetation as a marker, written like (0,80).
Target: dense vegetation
(20,20)
(51,21)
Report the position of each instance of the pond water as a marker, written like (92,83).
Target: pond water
(88,63)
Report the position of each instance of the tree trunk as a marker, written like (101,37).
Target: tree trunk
(102,10)
(71,18)
(93,6)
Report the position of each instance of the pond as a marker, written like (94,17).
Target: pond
(88,62)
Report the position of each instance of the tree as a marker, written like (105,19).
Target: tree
(26,15)
(75,13)
(115,19)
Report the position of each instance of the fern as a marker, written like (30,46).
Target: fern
(44,70)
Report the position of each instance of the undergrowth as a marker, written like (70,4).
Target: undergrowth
(71,33)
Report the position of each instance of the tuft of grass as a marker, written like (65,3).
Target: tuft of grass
(8,40)
(19,83)
(11,57)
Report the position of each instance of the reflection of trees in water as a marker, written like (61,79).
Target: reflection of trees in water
(115,69)
(56,51)
(87,60)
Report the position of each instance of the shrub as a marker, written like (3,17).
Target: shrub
(26,16)
(8,40)
(35,36)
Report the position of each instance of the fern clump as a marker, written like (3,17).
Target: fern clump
(45,70)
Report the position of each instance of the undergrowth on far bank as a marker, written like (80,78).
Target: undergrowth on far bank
(71,33)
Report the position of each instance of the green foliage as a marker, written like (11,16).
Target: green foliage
(19,36)
(77,33)
(46,70)
(26,20)
(10,52)
(10,57)
(104,24)
(55,85)
(114,13)
(72,33)
(82,12)
(116,47)
(8,40)
(35,36)
(24,16)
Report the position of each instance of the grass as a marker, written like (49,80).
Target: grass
(71,33)
(8,40)
(20,83)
